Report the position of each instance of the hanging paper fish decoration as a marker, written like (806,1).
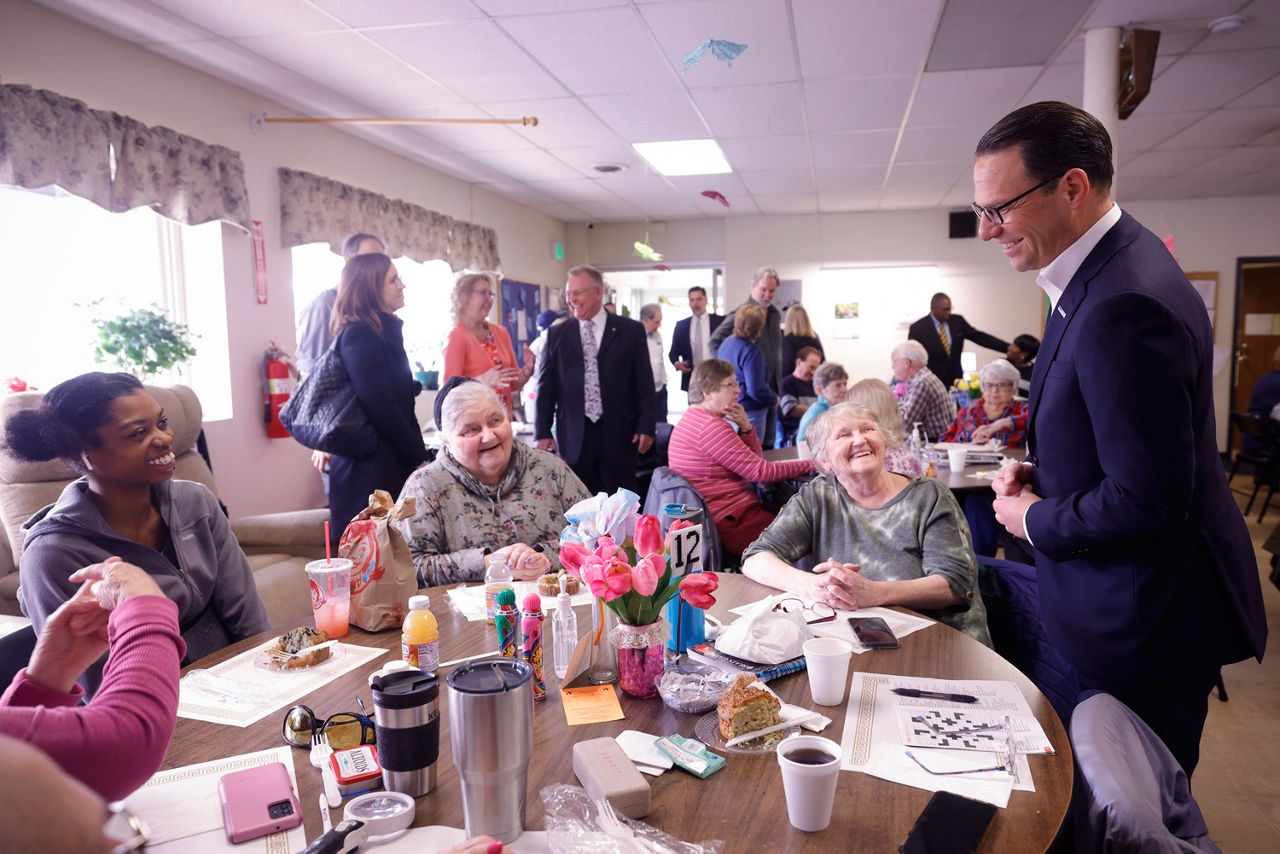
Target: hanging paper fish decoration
(723,50)
(719,197)
(663,267)
(647,252)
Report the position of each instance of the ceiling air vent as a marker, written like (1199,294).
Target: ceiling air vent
(609,168)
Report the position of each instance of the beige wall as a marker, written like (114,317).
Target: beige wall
(255,474)
(1210,235)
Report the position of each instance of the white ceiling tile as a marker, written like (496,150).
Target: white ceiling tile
(362,13)
(857,179)
(517,190)
(575,190)
(582,159)
(1272,138)
(1061,81)
(923,145)
(649,116)
(1227,128)
(562,211)
(1257,184)
(1146,130)
(844,39)
(778,181)
(1073,53)
(909,200)
(852,148)
(1253,158)
(530,165)
(639,183)
(596,52)
(678,208)
(959,196)
(762,152)
(1165,164)
(1207,80)
(736,111)
(761,25)
(787,203)
(978,97)
(242,18)
(562,122)
(864,103)
(1261,29)
(936,178)
(691,186)
(1131,13)
(467,138)
(131,20)
(1264,95)
(501,8)
(837,201)
(474,58)
(616,209)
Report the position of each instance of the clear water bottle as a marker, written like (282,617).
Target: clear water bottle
(497,577)
(564,633)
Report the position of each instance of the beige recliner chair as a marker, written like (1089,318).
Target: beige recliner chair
(278,544)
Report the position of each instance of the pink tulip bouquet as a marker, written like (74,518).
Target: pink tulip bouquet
(622,558)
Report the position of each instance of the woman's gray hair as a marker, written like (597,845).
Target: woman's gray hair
(1000,369)
(463,398)
(829,372)
(912,351)
(819,432)
(462,287)
(879,398)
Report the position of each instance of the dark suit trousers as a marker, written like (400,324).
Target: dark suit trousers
(599,470)
(660,405)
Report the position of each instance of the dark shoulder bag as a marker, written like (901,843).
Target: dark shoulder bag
(324,413)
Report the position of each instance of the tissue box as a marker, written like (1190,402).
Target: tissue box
(607,774)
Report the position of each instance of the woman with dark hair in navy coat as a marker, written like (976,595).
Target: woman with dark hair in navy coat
(370,342)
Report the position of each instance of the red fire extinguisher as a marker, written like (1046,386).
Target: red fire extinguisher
(279,377)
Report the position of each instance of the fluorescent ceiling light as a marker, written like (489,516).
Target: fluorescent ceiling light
(684,157)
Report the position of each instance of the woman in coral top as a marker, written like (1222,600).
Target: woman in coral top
(716,449)
(477,348)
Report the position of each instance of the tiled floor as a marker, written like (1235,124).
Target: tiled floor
(1238,780)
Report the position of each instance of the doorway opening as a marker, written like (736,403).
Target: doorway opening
(1256,335)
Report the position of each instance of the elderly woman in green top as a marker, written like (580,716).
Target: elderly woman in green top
(883,538)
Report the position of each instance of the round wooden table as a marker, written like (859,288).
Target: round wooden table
(742,804)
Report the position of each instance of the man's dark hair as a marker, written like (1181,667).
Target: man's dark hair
(1028,344)
(937,298)
(699,288)
(803,354)
(1053,137)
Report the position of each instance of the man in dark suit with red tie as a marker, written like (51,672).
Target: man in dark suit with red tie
(1148,580)
(596,386)
(943,335)
(691,340)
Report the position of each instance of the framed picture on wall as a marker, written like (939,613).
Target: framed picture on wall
(1206,284)
(521,304)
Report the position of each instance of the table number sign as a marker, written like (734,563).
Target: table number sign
(685,549)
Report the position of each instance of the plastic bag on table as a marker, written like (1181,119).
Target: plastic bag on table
(572,827)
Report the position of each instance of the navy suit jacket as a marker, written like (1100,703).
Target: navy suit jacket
(944,367)
(1144,561)
(682,345)
(626,387)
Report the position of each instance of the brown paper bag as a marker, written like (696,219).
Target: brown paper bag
(382,576)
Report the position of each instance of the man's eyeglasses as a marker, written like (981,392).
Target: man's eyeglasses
(995,215)
(343,729)
(818,612)
(1009,756)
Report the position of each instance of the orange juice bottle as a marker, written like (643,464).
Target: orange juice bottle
(420,638)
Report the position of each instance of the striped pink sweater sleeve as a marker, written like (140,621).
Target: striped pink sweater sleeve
(116,742)
(722,465)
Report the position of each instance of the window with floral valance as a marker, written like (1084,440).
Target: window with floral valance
(315,209)
(116,161)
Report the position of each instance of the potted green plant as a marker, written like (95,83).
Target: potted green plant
(143,342)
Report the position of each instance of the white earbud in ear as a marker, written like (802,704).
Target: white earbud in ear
(84,458)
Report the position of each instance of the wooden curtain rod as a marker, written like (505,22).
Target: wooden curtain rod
(530,121)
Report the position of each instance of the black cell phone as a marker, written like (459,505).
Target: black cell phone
(873,632)
(949,824)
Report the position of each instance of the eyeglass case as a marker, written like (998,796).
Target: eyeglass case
(607,774)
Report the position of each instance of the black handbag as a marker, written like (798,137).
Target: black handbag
(324,413)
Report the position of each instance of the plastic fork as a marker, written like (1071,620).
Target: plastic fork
(614,828)
(320,753)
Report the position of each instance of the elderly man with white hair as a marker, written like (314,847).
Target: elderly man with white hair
(996,414)
(926,400)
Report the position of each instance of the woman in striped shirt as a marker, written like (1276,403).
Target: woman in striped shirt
(716,449)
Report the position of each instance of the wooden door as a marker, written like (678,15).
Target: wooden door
(1257,325)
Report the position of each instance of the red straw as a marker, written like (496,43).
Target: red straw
(328,556)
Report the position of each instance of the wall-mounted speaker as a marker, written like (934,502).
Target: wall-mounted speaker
(962,224)
(1137,65)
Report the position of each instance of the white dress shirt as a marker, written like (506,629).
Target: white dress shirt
(657,360)
(700,320)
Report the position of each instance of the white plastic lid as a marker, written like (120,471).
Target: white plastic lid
(419,603)
(398,664)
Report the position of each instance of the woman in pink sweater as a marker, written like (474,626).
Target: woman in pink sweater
(722,458)
(477,348)
(118,740)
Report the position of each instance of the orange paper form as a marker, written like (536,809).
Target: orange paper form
(591,704)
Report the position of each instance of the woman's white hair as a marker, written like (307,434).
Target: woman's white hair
(912,351)
(463,398)
(819,432)
(1000,369)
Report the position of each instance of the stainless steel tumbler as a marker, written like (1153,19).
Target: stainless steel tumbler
(491,728)
(406,715)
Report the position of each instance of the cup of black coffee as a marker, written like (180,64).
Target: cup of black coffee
(810,771)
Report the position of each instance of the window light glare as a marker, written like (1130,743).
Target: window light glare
(684,157)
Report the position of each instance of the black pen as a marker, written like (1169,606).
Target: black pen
(934,695)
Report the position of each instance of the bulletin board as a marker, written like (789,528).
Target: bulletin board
(521,305)
(1206,284)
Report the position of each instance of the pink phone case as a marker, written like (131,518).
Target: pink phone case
(258,801)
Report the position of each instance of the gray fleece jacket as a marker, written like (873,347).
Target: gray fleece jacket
(203,569)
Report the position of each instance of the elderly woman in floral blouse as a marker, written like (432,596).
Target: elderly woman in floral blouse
(485,493)
(996,414)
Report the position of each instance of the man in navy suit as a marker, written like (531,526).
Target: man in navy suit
(1148,581)
(602,407)
(700,326)
(943,335)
